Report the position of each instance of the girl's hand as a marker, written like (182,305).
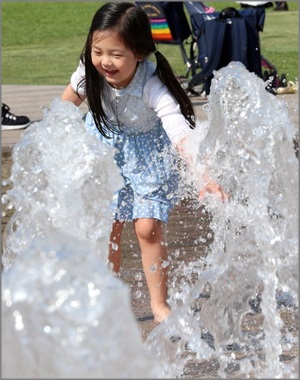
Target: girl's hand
(213,188)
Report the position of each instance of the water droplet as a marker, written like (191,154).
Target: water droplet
(153,268)
(138,294)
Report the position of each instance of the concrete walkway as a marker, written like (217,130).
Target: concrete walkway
(28,100)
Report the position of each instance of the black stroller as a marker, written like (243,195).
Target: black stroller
(211,40)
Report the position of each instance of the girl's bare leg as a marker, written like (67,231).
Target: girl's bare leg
(150,234)
(114,251)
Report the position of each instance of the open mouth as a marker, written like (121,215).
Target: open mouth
(111,73)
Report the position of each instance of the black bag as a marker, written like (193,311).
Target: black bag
(226,36)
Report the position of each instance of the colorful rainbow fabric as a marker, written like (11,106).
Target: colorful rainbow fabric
(160,30)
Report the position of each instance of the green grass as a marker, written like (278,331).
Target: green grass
(41,41)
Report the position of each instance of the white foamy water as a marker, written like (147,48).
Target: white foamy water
(248,150)
(66,315)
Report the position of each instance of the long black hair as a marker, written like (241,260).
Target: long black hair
(132,25)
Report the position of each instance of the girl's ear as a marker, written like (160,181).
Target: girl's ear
(140,58)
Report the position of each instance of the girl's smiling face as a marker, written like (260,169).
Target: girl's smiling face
(112,59)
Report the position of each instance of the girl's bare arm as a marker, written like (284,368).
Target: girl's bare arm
(70,95)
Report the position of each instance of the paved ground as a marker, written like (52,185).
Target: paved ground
(28,100)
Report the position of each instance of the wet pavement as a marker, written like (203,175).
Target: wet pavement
(182,231)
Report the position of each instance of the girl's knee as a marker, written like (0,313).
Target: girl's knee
(149,229)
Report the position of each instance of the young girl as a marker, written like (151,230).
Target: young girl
(140,109)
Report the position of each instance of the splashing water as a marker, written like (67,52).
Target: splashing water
(64,314)
(61,304)
(58,172)
(248,150)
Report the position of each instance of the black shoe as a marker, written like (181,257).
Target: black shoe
(270,88)
(11,121)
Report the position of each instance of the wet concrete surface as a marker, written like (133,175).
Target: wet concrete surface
(184,245)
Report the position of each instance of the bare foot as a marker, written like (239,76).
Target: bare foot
(160,313)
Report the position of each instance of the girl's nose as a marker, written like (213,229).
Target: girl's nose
(106,61)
